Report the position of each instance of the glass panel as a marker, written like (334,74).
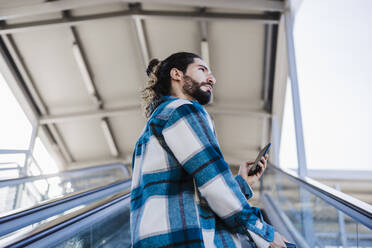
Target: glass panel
(28,194)
(113,231)
(317,222)
(362,236)
(15,127)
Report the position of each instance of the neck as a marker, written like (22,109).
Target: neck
(177,92)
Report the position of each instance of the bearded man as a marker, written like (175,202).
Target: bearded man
(183,193)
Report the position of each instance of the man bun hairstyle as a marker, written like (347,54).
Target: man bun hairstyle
(159,80)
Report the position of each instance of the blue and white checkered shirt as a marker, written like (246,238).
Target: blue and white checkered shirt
(183,192)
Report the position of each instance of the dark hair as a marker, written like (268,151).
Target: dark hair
(159,82)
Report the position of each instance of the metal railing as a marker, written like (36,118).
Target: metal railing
(358,210)
(73,223)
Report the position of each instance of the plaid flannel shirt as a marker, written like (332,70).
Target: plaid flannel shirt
(183,193)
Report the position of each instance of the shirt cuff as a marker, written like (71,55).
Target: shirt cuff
(244,186)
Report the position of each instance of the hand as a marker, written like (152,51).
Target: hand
(244,169)
(278,241)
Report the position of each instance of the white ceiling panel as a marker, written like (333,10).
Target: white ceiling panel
(53,68)
(85,139)
(236,53)
(127,130)
(112,55)
(167,37)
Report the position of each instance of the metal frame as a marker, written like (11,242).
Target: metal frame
(76,172)
(356,209)
(20,219)
(142,14)
(301,155)
(267,54)
(67,226)
(341,223)
(140,31)
(101,113)
(58,6)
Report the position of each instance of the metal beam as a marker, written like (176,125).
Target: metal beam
(16,151)
(102,113)
(31,145)
(98,114)
(139,29)
(300,143)
(102,162)
(142,14)
(58,6)
(220,110)
(267,63)
(142,40)
(341,222)
(30,99)
(204,46)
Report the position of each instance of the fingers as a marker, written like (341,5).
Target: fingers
(263,163)
(264,159)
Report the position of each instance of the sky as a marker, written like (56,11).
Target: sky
(333,52)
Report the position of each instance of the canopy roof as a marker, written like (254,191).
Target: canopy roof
(81,65)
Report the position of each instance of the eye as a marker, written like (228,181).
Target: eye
(201,68)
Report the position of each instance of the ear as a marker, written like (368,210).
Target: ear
(176,74)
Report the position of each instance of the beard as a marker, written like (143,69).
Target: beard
(193,88)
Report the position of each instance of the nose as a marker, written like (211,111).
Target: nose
(211,79)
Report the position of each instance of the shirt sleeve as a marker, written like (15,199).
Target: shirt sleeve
(192,142)
(244,187)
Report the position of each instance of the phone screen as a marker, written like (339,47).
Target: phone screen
(255,167)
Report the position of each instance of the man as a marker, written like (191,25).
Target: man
(183,192)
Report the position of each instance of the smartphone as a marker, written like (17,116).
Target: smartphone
(255,168)
(289,245)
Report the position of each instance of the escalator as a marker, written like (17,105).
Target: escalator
(92,209)
(307,212)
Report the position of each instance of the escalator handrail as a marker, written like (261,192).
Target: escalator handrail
(18,213)
(82,171)
(351,206)
(51,227)
(21,218)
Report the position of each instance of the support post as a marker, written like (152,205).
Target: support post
(306,211)
(301,156)
(341,222)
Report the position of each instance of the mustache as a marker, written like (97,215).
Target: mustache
(206,83)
